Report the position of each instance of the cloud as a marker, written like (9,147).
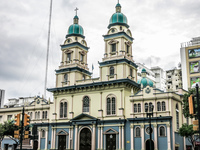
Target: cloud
(158,28)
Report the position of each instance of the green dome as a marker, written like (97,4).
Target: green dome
(144,81)
(118,18)
(118,5)
(76,17)
(75,29)
(144,70)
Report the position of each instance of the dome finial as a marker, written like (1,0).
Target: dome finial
(76,17)
(118,7)
(76,10)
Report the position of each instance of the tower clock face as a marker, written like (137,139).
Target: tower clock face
(148,130)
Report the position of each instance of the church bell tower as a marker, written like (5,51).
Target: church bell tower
(73,67)
(118,60)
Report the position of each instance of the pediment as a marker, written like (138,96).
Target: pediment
(38,101)
(83,117)
(113,41)
(68,51)
(82,52)
(62,132)
(128,43)
(110,131)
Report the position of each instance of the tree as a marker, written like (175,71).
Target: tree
(7,129)
(1,133)
(188,132)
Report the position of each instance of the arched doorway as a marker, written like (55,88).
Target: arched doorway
(148,145)
(85,139)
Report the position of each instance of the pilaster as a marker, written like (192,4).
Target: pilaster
(155,137)
(168,137)
(142,136)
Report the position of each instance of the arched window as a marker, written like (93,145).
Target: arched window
(162,131)
(146,106)
(44,115)
(137,132)
(177,117)
(135,108)
(36,115)
(150,106)
(68,57)
(111,105)
(113,47)
(163,106)
(66,77)
(63,109)
(127,48)
(43,134)
(131,72)
(139,107)
(158,106)
(86,104)
(31,115)
(112,70)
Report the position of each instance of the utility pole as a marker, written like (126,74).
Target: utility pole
(198,108)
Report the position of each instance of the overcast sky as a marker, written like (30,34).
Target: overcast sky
(158,27)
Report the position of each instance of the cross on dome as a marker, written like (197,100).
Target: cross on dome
(76,10)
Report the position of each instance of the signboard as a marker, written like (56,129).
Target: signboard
(194,67)
(197,143)
(194,81)
(192,53)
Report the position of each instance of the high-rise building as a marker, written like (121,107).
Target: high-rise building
(173,79)
(190,63)
(2,94)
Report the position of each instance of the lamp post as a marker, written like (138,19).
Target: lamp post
(149,114)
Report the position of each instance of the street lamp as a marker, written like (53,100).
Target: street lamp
(149,114)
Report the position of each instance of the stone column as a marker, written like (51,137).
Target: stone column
(132,138)
(123,137)
(69,138)
(120,140)
(76,138)
(39,138)
(99,132)
(142,136)
(93,137)
(52,137)
(155,137)
(168,137)
(46,138)
(101,137)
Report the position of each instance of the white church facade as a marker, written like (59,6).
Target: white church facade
(106,113)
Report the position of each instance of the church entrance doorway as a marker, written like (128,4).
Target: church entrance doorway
(148,144)
(85,139)
(61,142)
(110,141)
